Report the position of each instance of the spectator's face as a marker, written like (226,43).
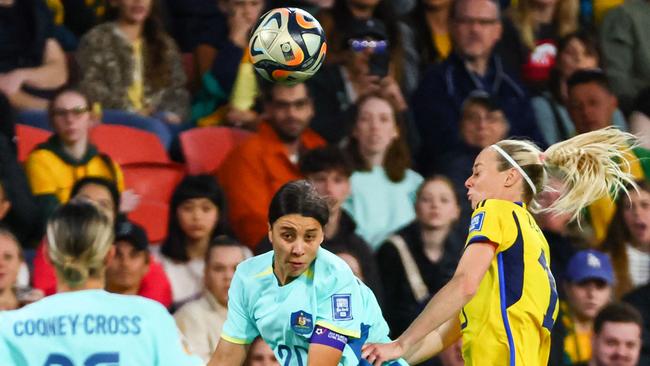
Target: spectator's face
(353,263)
(481,128)
(6,3)
(588,297)
(250,10)
(134,11)
(295,240)
(636,214)
(436,4)
(197,218)
(100,196)
(575,57)
(290,111)
(9,262)
(71,118)
(591,107)
(476,28)
(332,184)
(261,354)
(617,344)
(127,268)
(220,269)
(375,128)
(436,205)
(486,180)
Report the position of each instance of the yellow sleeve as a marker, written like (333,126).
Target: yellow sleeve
(40,177)
(487,224)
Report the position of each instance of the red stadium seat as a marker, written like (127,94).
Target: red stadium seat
(153,216)
(153,181)
(205,148)
(28,137)
(128,145)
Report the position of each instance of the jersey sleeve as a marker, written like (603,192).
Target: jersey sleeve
(239,327)
(169,345)
(340,304)
(487,224)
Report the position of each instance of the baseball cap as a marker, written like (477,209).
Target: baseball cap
(590,264)
(132,233)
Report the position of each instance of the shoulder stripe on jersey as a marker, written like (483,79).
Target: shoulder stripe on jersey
(265,272)
(235,340)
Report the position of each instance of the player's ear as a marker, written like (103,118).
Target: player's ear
(512,177)
(270,232)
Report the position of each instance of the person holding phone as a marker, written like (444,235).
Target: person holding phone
(365,70)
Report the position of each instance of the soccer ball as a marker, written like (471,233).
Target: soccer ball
(287,45)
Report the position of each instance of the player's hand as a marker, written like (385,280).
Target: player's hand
(377,354)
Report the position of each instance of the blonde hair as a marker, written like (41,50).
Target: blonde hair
(591,165)
(565,19)
(79,236)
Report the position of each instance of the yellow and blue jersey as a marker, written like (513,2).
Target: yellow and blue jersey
(326,295)
(509,320)
(91,327)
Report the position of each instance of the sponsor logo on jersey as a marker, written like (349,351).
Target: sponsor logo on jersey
(477,222)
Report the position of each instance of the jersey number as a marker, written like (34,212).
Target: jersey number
(285,354)
(548,317)
(97,359)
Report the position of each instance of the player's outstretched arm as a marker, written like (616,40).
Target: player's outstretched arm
(447,334)
(445,304)
(228,354)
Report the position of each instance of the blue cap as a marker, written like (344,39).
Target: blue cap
(590,264)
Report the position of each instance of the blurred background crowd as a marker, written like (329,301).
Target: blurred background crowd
(152,109)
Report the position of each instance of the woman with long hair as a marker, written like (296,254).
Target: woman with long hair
(502,298)
(133,69)
(83,324)
(628,240)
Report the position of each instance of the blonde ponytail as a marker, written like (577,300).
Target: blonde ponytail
(591,165)
(79,236)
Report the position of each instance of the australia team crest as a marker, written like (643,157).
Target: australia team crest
(302,322)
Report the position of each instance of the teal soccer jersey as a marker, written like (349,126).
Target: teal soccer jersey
(326,295)
(91,327)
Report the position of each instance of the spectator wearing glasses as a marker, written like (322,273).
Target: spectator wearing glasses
(475,29)
(256,169)
(67,156)
(364,70)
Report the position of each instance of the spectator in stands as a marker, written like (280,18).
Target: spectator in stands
(625,38)
(32,63)
(588,288)
(195,217)
(132,68)
(640,299)
(592,12)
(482,124)
(79,16)
(201,320)
(576,51)
(125,272)
(381,162)
(429,22)
(352,260)
(345,16)
(475,28)
(628,240)
(617,336)
(539,25)
(592,105)
(257,168)
(12,296)
(640,118)
(228,82)
(103,192)
(260,354)
(365,69)
(419,259)
(67,156)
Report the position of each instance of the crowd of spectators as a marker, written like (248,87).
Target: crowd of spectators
(387,130)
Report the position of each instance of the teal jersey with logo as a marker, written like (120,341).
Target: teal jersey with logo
(326,294)
(91,328)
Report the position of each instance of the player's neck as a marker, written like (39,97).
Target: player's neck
(91,283)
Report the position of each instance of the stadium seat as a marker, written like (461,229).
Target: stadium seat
(153,217)
(27,139)
(153,181)
(205,148)
(127,145)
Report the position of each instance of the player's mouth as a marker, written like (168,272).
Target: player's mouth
(296,265)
